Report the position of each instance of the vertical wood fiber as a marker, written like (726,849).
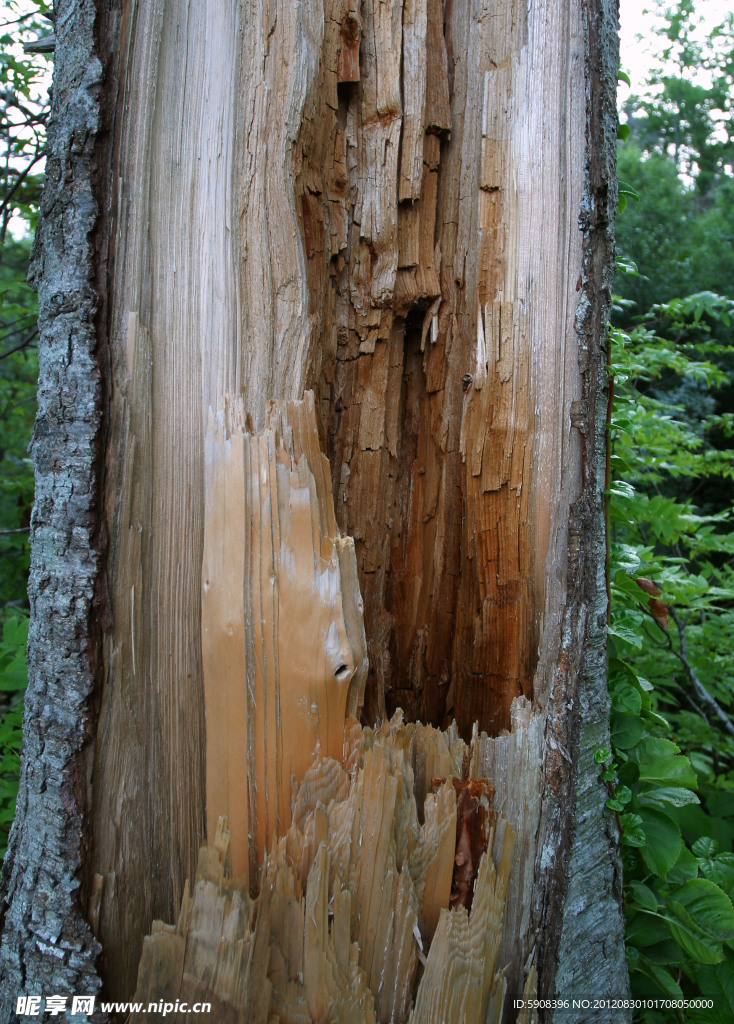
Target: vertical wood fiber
(379,201)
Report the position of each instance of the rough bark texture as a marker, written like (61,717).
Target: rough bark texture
(589,897)
(378,201)
(47,944)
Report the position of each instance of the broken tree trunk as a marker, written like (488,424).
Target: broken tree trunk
(352,896)
(403,206)
(363,844)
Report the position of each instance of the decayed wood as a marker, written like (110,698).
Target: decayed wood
(351,898)
(454,559)
(283,644)
(378,201)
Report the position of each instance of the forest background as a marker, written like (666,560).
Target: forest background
(670,493)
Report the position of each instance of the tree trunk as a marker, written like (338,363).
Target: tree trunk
(405,207)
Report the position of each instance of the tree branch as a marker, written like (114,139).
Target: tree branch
(21,344)
(701,692)
(18,182)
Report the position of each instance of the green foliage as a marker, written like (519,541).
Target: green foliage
(671,569)
(670,775)
(18,374)
(23,108)
(680,244)
(671,573)
(13,680)
(679,157)
(686,114)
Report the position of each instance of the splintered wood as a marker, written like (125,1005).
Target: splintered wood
(352,921)
(438,190)
(283,644)
(377,200)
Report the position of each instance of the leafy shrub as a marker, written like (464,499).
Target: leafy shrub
(671,575)
(13,679)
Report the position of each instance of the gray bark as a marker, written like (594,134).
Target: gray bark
(47,945)
(585,887)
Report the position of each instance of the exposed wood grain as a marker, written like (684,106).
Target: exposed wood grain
(414,73)
(282,635)
(454,559)
(189,241)
(337,931)
(378,201)
(513,762)
(172,257)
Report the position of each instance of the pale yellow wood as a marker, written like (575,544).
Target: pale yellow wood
(352,900)
(223,633)
(282,636)
(460,971)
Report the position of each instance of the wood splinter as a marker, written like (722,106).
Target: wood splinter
(353,899)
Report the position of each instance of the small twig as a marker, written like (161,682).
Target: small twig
(4,205)
(23,17)
(44,44)
(21,344)
(11,100)
(662,644)
(691,703)
(20,529)
(701,692)
(20,323)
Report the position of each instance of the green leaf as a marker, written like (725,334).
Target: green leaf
(664,841)
(646,928)
(695,944)
(660,761)
(720,871)
(622,76)
(630,636)
(632,831)
(707,907)
(644,895)
(626,697)
(627,730)
(705,846)
(625,189)
(685,868)
(716,981)
(663,980)
(625,265)
(672,796)
(623,132)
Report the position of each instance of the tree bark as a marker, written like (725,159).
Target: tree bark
(407,208)
(47,944)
